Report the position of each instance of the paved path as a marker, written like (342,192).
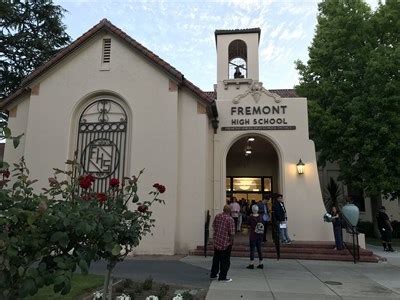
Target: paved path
(284,279)
(305,279)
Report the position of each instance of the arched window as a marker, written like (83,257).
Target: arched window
(237,52)
(102,139)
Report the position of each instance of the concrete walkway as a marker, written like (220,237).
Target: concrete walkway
(284,279)
(305,279)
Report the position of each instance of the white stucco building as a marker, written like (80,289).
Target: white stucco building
(123,109)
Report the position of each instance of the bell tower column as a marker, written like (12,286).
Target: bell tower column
(237,60)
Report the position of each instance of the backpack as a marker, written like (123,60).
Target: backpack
(259,227)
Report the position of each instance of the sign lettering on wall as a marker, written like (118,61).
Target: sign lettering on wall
(267,117)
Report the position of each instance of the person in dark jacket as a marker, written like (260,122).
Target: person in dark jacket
(255,237)
(281,220)
(385,229)
(337,228)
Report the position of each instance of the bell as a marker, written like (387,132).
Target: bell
(237,74)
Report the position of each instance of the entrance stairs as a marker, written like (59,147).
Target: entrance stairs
(296,250)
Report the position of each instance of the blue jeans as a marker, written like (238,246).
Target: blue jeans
(256,244)
(284,235)
(337,231)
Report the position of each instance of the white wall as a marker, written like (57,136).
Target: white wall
(157,135)
(17,121)
(193,179)
(302,193)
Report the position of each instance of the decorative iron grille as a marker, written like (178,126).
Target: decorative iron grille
(101,145)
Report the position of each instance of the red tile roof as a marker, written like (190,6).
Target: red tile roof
(108,26)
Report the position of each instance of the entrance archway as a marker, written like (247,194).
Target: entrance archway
(252,169)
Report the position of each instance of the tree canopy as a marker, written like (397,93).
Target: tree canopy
(352,82)
(31,32)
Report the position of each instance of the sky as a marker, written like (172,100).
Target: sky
(182,32)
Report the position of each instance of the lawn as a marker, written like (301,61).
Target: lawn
(377,242)
(81,284)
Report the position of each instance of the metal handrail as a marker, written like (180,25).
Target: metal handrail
(351,229)
(206,232)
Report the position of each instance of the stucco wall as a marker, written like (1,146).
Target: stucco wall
(193,180)
(302,193)
(153,132)
(17,121)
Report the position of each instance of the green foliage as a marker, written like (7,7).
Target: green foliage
(31,33)
(352,83)
(164,288)
(45,238)
(147,284)
(332,194)
(366,227)
(187,296)
(80,284)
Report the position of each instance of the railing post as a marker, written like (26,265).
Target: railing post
(206,232)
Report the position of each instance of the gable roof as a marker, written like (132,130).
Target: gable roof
(109,27)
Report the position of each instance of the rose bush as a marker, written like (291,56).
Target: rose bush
(45,238)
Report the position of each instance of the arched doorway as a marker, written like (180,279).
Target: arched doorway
(252,169)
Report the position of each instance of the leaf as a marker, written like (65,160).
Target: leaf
(4,165)
(116,250)
(21,271)
(84,266)
(7,132)
(135,198)
(28,287)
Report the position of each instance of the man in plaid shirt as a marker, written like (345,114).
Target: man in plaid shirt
(224,231)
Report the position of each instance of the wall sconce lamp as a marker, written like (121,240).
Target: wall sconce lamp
(300,167)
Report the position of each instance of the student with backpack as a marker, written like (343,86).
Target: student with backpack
(256,225)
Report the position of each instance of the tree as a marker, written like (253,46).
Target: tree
(351,81)
(31,32)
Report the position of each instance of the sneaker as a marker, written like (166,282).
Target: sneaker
(213,277)
(225,280)
(251,267)
(260,266)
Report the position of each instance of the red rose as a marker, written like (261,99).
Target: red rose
(90,177)
(85,182)
(6,174)
(160,188)
(114,182)
(101,197)
(142,208)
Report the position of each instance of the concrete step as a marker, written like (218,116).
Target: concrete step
(297,250)
(305,256)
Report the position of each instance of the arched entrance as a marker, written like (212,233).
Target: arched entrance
(252,169)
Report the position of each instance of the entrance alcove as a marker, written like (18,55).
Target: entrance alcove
(252,169)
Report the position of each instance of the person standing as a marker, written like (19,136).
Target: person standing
(385,229)
(256,225)
(281,219)
(224,232)
(235,210)
(337,228)
(264,213)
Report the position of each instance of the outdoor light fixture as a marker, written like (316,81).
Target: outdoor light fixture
(300,167)
(250,139)
(248,149)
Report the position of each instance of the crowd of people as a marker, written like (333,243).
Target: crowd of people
(257,216)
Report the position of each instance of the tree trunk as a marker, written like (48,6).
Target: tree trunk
(376,203)
(107,291)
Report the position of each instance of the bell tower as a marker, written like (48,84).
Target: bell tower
(237,59)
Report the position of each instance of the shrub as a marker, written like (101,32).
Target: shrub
(366,227)
(147,283)
(396,229)
(187,296)
(164,288)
